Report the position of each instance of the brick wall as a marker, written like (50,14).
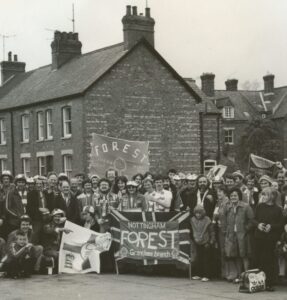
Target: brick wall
(139,99)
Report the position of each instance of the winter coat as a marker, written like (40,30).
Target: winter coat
(236,223)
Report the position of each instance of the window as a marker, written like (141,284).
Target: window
(25,128)
(26,166)
(2,132)
(42,165)
(49,125)
(3,165)
(67,121)
(229,136)
(40,125)
(67,163)
(208,164)
(228,112)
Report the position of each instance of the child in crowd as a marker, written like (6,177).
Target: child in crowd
(203,237)
(282,252)
(20,259)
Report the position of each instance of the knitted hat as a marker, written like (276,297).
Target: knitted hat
(20,177)
(132,183)
(265,177)
(191,177)
(57,211)
(6,173)
(238,174)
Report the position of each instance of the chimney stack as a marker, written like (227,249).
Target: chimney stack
(268,83)
(207,84)
(136,27)
(231,84)
(65,46)
(10,68)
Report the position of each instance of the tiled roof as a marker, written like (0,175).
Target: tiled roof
(243,109)
(72,78)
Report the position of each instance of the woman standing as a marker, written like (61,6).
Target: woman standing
(236,222)
(218,214)
(269,221)
(149,194)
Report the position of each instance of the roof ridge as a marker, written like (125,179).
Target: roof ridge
(102,49)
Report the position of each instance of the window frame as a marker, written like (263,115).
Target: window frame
(24,166)
(66,170)
(226,130)
(25,128)
(40,126)
(3,164)
(66,123)
(3,132)
(49,124)
(40,166)
(228,112)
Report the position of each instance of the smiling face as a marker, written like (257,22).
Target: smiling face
(132,189)
(234,197)
(104,187)
(148,186)
(121,185)
(88,187)
(21,240)
(24,226)
(202,183)
(264,184)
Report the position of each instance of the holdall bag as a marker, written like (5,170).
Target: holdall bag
(252,281)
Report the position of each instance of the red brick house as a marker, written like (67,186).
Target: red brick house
(126,90)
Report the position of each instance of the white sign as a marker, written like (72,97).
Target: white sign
(81,248)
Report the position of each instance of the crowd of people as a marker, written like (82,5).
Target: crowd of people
(237,222)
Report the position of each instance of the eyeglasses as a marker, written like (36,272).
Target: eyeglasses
(131,187)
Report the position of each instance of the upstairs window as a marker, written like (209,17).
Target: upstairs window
(2,132)
(49,124)
(67,121)
(40,125)
(208,164)
(42,165)
(25,128)
(228,112)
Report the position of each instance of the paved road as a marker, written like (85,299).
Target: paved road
(124,287)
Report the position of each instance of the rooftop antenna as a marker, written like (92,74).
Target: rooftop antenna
(73,17)
(4,37)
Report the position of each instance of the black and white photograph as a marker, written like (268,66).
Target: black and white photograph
(143,149)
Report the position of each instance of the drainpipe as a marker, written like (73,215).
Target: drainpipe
(201,142)
(218,138)
(12,143)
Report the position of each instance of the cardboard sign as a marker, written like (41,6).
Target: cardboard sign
(81,248)
(127,157)
(261,165)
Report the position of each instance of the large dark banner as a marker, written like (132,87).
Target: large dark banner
(151,238)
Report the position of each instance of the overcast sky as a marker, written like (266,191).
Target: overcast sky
(233,39)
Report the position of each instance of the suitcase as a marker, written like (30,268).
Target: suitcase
(252,281)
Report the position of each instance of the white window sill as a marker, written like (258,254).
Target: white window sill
(39,141)
(66,137)
(49,139)
(4,144)
(24,142)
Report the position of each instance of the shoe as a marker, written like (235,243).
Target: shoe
(270,289)
(196,278)
(204,279)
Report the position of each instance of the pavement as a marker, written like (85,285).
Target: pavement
(125,287)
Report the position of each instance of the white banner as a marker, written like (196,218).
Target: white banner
(80,249)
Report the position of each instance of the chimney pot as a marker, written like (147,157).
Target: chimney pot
(268,83)
(207,84)
(15,57)
(135,11)
(9,56)
(231,84)
(136,27)
(129,10)
(147,12)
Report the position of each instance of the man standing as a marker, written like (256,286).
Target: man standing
(16,203)
(203,196)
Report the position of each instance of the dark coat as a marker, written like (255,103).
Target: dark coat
(208,203)
(71,208)
(33,205)
(14,207)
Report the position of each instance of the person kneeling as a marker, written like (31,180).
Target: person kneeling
(203,237)
(20,259)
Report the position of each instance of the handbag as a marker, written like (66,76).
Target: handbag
(252,281)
